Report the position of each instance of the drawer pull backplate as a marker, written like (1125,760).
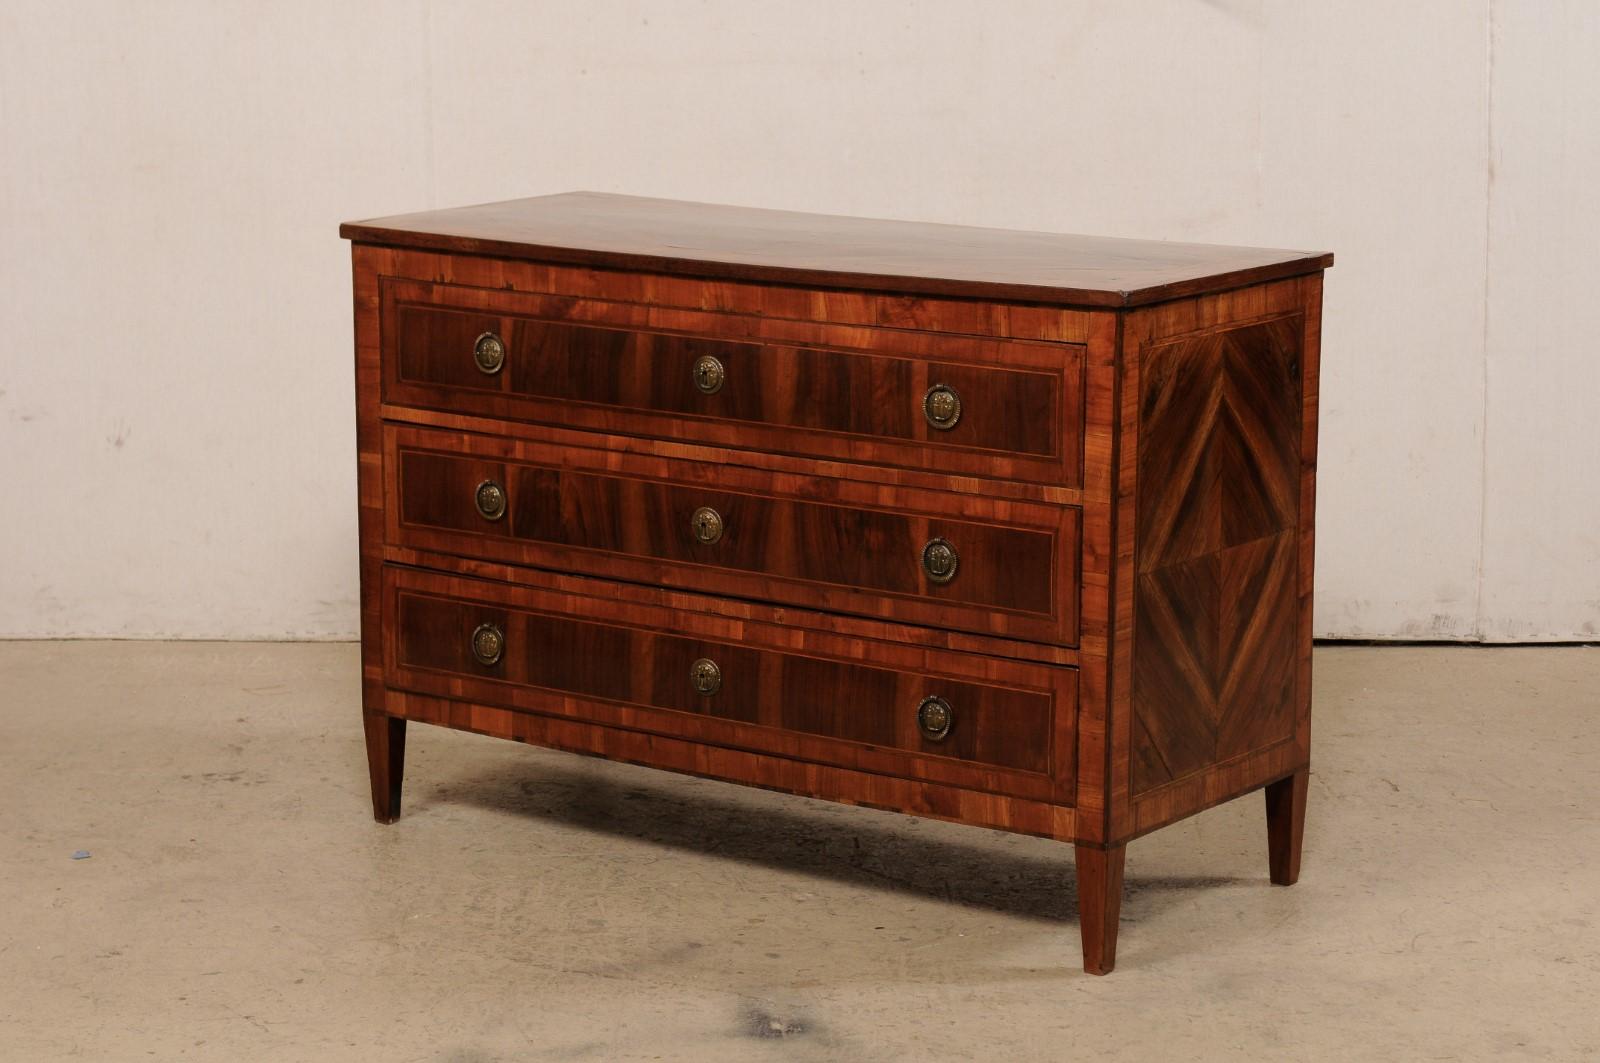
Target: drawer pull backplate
(940,561)
(490,498)
(935,717)
(488,643)
(707,525)
(942,407)
(705,677)
(489,353)
(709,374)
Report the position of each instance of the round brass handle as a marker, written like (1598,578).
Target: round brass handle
(940,560)
(490,498)
(709,374)
(488,643)
(489,353)
(935,717)
(705,677)
(942,407)
(707,525)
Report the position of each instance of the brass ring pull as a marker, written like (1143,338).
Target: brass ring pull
(935,717)
(489,353)
(488,643)
(709,374)
(707,525)
(940,560)
(942,407)
(490,498)
(705,677)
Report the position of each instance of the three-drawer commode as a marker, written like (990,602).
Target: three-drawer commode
(1011,529)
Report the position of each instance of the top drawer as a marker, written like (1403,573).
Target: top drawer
(1005,409)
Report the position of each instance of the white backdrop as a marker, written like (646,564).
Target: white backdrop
(176,444)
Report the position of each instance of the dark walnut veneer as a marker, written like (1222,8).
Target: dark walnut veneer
(1116,439)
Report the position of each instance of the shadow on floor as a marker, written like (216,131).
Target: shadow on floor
(1012,874)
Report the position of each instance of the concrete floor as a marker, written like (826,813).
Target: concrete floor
(240,904)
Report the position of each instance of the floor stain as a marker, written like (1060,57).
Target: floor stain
(763,1025)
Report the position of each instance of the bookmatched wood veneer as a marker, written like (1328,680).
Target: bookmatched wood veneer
(846,546)
(1115,439)
(787,387)
(831,700)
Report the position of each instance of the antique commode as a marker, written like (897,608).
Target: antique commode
(1007,528)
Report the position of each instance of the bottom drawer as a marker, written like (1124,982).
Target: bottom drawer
(999,725)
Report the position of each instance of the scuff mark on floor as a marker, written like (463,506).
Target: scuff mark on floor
(763,1025)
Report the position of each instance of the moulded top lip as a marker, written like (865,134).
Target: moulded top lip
(718,242)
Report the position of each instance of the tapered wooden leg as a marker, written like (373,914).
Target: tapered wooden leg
(1099,905)
(1286,826)
(386,763)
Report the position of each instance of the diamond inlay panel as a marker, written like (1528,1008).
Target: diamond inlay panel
(1218,506)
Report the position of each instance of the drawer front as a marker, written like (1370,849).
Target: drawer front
(830,544)
(969,405)
(740,685)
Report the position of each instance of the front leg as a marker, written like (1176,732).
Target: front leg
(1099,904)
(386,763)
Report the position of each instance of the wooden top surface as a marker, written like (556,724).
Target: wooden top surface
(787,247)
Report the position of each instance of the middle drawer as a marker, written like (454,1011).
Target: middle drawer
(968,562)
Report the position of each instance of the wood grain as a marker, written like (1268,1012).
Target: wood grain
(790,387)
(1286,826)
(860,629)
(1099,904)
(1131,488)
(616,663)
(848,786)
(1221,628)
(843,546)
(778,307)
(708,240)
(928,478)
(1218,505)
(1103,644)
(386,763)
(365,264)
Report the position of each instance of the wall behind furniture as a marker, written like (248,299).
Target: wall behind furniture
(176,448)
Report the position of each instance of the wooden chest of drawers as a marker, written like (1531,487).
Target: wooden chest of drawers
(1012,529)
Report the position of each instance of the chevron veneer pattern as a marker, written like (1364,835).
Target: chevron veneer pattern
(1218,507)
